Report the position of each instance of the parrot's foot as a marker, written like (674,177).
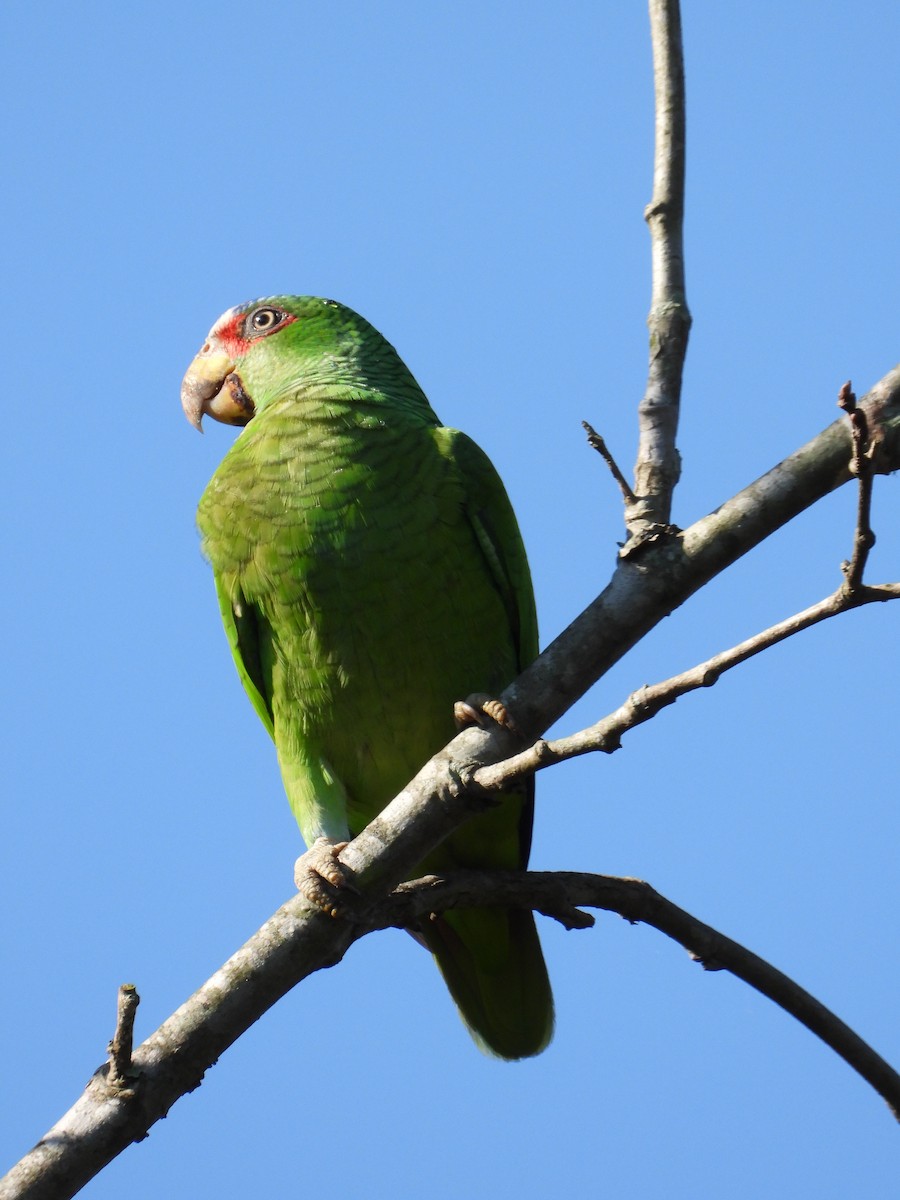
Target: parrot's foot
(320,877)
(481,709)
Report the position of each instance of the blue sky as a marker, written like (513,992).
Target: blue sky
(472,178)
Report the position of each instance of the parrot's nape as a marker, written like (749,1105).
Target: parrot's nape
(370,573)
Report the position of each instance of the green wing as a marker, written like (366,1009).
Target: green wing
(492,518)
(315,792)
(241,623)
(491,960)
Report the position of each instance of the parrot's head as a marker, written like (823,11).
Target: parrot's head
(281,346)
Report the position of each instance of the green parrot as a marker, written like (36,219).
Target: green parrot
(370,570)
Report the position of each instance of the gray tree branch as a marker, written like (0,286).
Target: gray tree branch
(663,573)
(658,465)
(658,572)
(605,736)
(295,941)
(561,894)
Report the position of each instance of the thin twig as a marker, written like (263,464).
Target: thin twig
(121,1072)
(596,442)
(554,892)
(658,463)
(643,704)
(861,466)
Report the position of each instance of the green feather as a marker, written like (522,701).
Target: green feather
(370,572)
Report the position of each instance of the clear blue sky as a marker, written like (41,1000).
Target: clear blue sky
(471,177)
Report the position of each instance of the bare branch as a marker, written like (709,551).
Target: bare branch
(862,469)
(105,1119)
(555,892)
(649,584)
(596,442)
(658,464)
(294,941)
(642,705)
(121,1074)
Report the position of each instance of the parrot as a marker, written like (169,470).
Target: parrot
(370,570)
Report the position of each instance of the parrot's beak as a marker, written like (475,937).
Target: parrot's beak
(212,386)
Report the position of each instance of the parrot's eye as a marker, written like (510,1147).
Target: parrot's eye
(264,320)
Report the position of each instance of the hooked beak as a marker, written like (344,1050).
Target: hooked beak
(212,386)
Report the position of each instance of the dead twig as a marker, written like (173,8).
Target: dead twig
(121,1072)
(596,442)
(861,466)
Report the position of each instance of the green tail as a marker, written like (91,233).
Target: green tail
(492,963)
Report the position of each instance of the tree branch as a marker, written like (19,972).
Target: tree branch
(596,442)
(862,469)
(293,943)
(559,894)
(649,584)
(296,941)
(643,704)
(121,1072)
(606,735)
(653,578)
(658,464)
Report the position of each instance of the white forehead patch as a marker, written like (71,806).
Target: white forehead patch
(224,320)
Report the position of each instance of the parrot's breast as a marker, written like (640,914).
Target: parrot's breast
(374,606)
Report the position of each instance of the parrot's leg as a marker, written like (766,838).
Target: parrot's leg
(320,876)
(481,709)
(319,803)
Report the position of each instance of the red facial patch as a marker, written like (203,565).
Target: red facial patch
(228,331)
